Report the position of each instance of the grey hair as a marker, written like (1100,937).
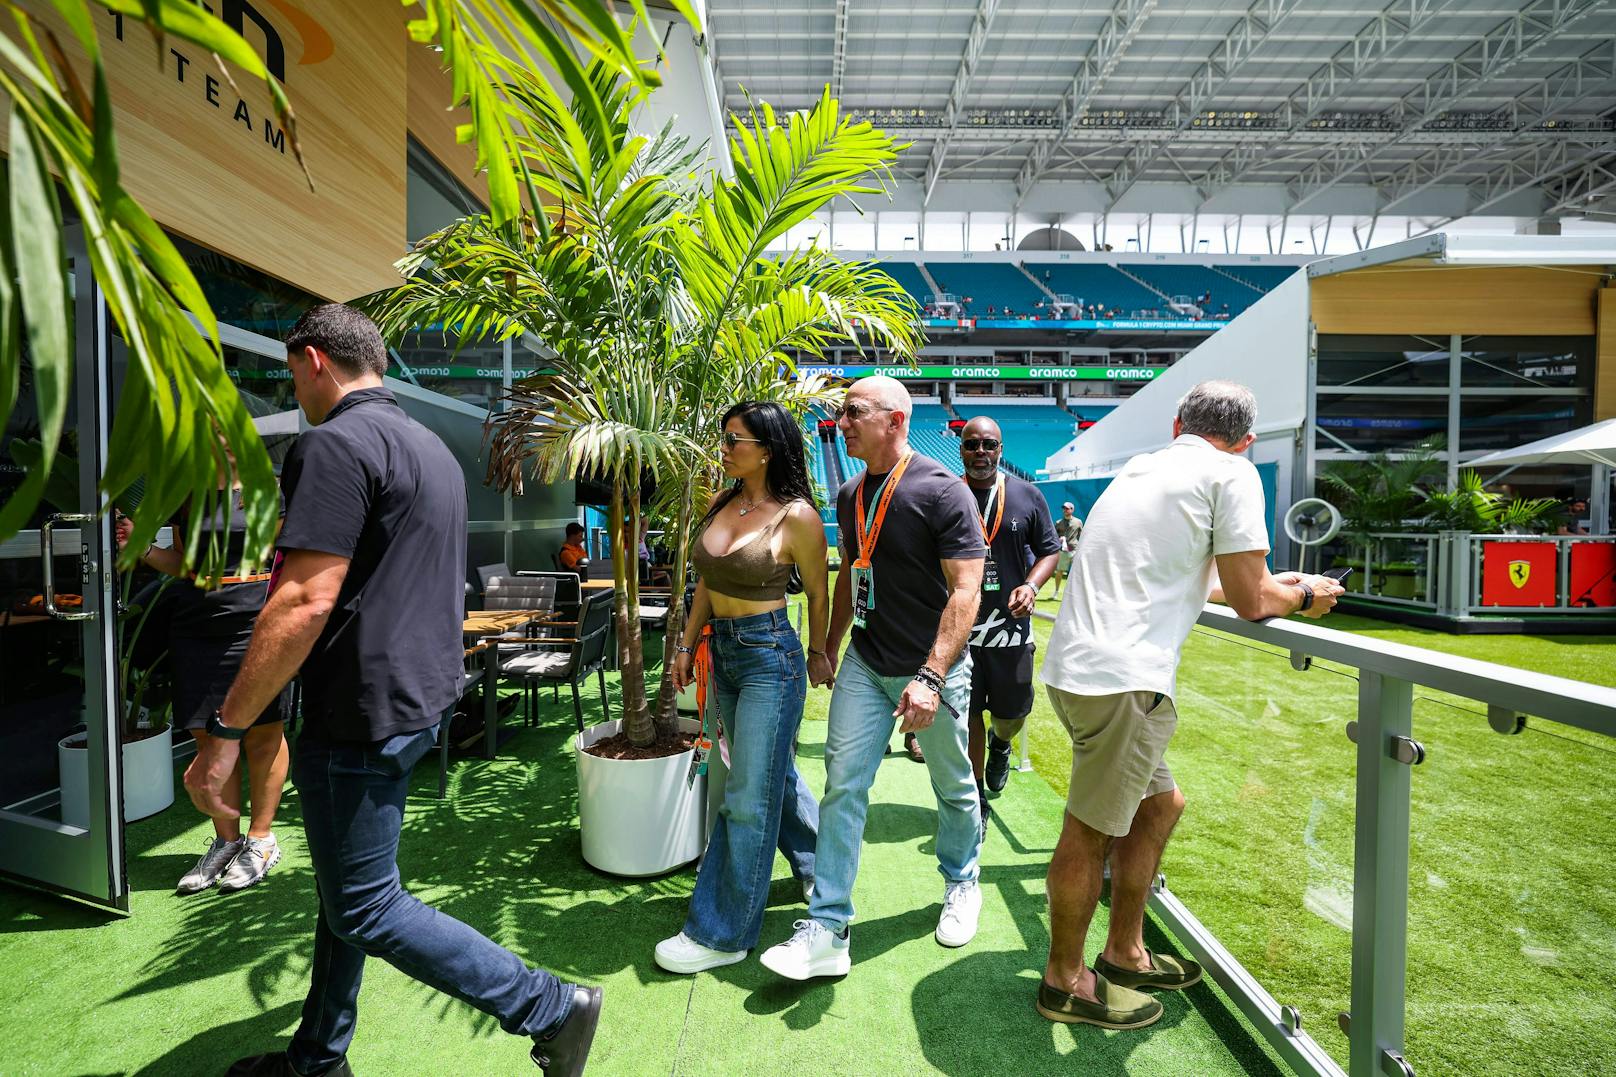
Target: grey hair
(1224,410)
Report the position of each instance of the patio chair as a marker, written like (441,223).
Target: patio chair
(488,573)
(567,659)
(568,588)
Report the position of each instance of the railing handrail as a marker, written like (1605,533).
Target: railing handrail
(1541,695)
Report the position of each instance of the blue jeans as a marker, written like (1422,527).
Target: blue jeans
(353,807)
(861,725)
(759,681)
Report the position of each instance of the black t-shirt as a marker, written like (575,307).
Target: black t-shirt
(373,485)
(1025,534)
(931,518)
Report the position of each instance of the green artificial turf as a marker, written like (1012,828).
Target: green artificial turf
(185,985)
(1512,893)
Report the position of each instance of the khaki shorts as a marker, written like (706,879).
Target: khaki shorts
(1063,562)
(1118,743)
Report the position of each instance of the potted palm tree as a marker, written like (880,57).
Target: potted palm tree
(144,729)
(647,275)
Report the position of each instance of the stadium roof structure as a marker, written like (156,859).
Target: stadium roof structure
(1443,108)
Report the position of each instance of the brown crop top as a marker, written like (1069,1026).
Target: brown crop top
(750,573)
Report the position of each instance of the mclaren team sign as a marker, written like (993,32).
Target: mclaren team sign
(206,155)
(991,373)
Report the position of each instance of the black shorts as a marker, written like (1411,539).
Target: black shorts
(1001,681)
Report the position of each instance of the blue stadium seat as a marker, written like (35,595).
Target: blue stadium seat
(1263,278)
(994,284)
(1103,286)
(908,276)
(1032,432)
(1194,282)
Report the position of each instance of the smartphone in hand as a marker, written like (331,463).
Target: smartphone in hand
(1339,575)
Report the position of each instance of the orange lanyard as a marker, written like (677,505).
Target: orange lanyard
(868,539)
(998,495)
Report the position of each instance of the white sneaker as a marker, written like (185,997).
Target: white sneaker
(813,951)
(208,869)
(962,907)
(250,866)
(684,954)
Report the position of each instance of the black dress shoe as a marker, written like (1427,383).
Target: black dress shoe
(563,1054)
(276,1065)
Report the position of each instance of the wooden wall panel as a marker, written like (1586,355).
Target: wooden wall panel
(1605,363)
(433,123)
(1435,300)
(214,167)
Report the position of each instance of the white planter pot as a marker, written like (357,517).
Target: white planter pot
(148,777)
(637,816)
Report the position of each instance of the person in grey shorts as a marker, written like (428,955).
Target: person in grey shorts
(1140,577)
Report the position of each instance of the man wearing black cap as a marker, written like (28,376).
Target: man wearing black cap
(1022,550)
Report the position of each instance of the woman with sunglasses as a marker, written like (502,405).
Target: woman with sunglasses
(753,533)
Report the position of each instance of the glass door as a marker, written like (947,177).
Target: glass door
(61,818)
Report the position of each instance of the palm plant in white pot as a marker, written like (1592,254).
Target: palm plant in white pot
(647,276)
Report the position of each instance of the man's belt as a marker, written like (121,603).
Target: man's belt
(259,577)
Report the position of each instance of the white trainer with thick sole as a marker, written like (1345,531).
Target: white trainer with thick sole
(962,907)
(684,955)
(814,950)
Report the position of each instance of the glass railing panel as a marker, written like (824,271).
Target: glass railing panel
(1264,853)
(1512,897)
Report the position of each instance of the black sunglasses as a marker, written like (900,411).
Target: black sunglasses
(980,444)
(731,440)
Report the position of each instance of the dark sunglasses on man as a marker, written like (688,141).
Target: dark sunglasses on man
(980,444)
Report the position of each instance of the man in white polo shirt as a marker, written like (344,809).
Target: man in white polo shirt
(1140,577)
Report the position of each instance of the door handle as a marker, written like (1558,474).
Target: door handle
(47,555)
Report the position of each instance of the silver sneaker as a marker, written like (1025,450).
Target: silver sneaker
(250,866)
(210,867)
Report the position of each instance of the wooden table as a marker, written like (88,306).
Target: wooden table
(485,625)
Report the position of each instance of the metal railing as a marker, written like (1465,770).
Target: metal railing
(1386,754)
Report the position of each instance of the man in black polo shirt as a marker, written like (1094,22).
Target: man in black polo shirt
(367,598)
(910,580)
(1022,551)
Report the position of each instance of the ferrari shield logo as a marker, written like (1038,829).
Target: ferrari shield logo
(1519,573)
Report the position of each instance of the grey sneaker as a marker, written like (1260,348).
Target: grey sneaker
(210,867)
(250,866)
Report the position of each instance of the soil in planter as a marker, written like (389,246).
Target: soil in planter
(617,746)
(132,736)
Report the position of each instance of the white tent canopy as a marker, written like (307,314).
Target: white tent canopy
(1594,444)
(1589,446)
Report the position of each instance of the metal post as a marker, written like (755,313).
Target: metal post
(1455,384)
(1599,501)
(1380,876)
(1026,759)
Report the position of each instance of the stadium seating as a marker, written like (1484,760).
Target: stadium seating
(988,284)
(1103,286)
(1032,432)
(1195,281)
(1263,278)
(908,276)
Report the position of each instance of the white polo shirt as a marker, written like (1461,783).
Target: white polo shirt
(1143,569)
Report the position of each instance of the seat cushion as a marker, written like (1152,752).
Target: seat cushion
(537,664)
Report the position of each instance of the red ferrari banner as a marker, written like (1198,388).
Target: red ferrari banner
(1518,573)
(1593,574)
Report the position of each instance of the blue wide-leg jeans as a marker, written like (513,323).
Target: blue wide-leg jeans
(759,682)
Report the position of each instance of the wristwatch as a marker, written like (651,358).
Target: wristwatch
(217,728)
(1307,597)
